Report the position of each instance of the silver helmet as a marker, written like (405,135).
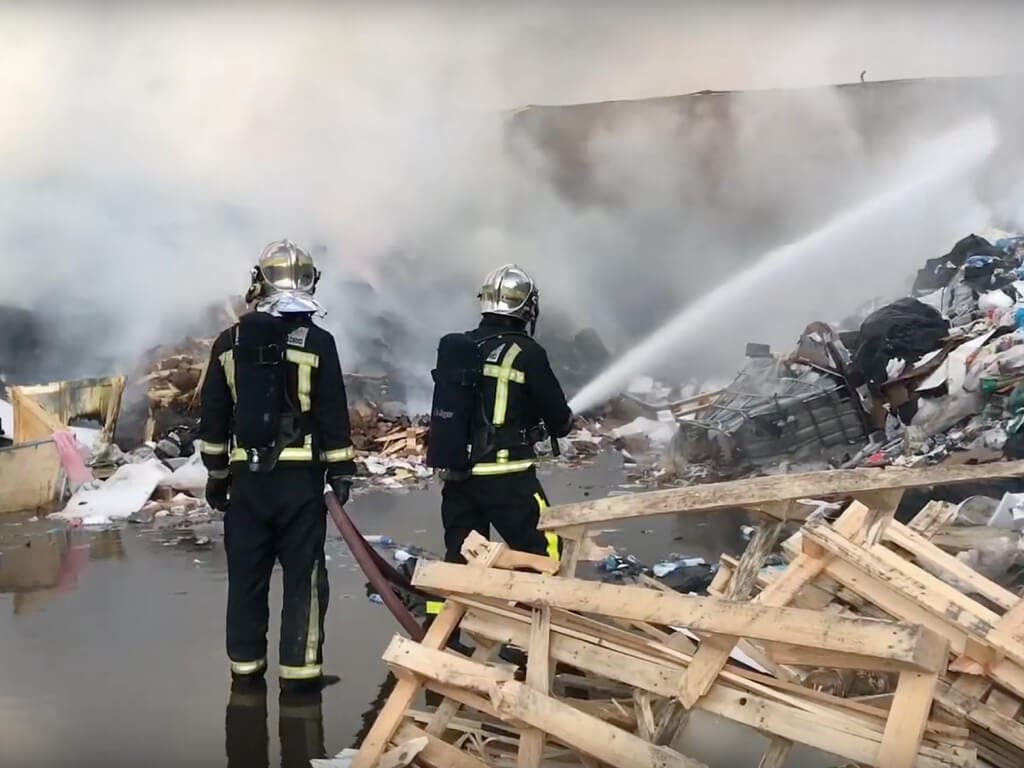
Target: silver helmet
(283,266)
(510,291)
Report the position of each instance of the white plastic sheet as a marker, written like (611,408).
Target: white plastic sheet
(125,492)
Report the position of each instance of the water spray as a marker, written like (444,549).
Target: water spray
(932,165)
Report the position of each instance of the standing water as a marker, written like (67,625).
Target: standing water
(890,214)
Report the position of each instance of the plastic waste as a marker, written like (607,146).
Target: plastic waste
(674,562)
(976,510)
(375,598)
(401,556)
(994,559)
(384,541)
(1010,512)
(994,300)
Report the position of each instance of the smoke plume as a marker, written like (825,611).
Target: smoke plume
(151,150)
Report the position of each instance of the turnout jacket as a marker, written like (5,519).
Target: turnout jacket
(518,391)
(313,384)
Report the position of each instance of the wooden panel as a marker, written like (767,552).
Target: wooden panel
(29,476)
(32,422)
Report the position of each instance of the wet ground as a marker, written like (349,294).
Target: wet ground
(111,642)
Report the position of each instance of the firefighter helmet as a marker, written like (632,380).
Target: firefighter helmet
(283,266)
(510,291)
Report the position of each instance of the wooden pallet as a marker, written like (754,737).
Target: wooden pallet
(626,645)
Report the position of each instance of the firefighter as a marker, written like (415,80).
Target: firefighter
(274,425)
(508,399)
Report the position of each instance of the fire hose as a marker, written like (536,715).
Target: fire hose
(378,571)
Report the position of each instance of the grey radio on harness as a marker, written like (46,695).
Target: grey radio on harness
(265,422)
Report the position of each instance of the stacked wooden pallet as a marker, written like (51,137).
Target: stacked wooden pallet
(854,597)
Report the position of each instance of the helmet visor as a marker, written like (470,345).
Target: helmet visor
(288,268)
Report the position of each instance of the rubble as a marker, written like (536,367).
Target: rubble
(852,646)
(915,382)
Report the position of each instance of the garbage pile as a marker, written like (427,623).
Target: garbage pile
(917,380)
(858,636)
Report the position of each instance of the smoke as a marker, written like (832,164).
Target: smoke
(153,149)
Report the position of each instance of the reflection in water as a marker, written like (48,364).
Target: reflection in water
(300,727)
(370,715)
(245,726)
(38,562)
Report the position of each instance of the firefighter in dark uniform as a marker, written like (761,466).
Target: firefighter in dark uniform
(517,402)
(274,426)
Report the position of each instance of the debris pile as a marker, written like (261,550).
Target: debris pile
(916,380)
(872,643)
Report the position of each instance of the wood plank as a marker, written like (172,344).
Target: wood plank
(980,714)
(576,729)
(928,554)
(777,753)
(449,708)
(907,719)
(538,677)
(758,491)
(714,651)
(438,753)
(803,728)
(913,646)
(402,755)
(1004,703)
(1006,672)
(935,516)
(476,547)
(712,657)
(406,690)
(928,591)
(829,714)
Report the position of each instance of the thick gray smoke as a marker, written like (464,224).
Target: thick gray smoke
(151,150)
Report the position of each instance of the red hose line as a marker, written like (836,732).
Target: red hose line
(373,566)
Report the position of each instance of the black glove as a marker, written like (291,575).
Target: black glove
(217,492)
(342,486)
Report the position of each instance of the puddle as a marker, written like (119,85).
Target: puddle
(112,641)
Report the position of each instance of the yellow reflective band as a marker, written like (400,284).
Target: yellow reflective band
(552,540)
(503,456)
(305,453)
(227,362)
(339,454)
(301,673)
(503,468)
(494,372)
(302,358)
(313,625)
(218,474)
(434,607)
(213,449)
(306,362)
(248,667)
(504,374)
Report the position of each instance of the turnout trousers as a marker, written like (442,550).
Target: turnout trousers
(511,503)
(277,516)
